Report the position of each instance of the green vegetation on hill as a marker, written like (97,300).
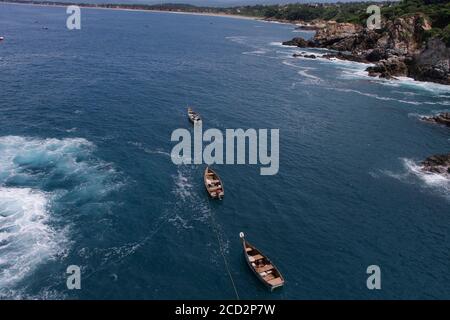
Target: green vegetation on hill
(438,11)
(341,12)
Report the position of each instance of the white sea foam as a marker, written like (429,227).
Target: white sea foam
(142,147)
(25,158)
(431,114)
(183,187)
(348,64)
(238,39)
(358,71)
(255,52)
(290,64)
(440,183)
(26,238)
(179,222)
(277,44)
(375,96)
(34,161)
(318,55)
(406,93)
(411,83)
(28,232)
(305,74)
(359,74)
(187,196)
(437,181)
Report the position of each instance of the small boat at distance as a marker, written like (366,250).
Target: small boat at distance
(2,38)
(213,184)
(261,266)
(194,117)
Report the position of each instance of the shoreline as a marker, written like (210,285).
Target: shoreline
(207,14)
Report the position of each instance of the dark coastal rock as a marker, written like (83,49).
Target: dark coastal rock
(389,68)
(299,42)
(442,118)
(376,55)
(439,163)
(308,27)
(335,33)
(345,56)
(309,56)
(397,48)
(432,64)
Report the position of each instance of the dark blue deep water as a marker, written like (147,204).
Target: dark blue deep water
(86,178)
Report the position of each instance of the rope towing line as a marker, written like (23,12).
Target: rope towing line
(222,251)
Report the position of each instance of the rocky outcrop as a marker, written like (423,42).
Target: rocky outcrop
(345,56)
(442,118)
(338,36)
(299,42)
(437,164)
(389,68)
(305,55)
(397,49)
(432,64)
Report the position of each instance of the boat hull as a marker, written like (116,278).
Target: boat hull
(193,116)
(249,263)
(219,195)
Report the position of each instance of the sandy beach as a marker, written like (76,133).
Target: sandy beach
(224,15)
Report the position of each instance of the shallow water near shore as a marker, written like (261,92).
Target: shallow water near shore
(86,176)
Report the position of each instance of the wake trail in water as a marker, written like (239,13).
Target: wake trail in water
(184,191)
(39,179)
(115,255)
(26,238)
(185,195)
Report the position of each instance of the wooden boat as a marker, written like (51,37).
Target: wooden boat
(213,184)
(194,117)
(261,266)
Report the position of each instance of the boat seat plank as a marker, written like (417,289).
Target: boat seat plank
(257,257)
(248,249)
(265,268)
(269,277)
(276,281)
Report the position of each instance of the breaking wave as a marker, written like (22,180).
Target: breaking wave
(435,180)
(26,238)
(438,182)
(39,180)
(406,82)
